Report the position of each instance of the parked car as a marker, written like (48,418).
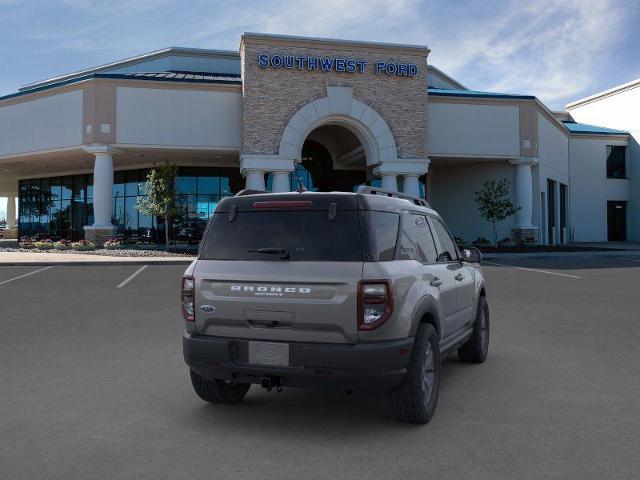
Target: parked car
(350,291)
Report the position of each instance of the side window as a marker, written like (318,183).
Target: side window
(384,233)
(448,251)
(407,250)
(423,239)
(416,241)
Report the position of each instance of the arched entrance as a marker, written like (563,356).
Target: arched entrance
(332,159)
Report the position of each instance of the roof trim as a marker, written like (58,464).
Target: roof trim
(441,92)
(447,77)
(115,76)
(414,49)
(165,52)
(593,129)
(605,93)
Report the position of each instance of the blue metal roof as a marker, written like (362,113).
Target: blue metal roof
(475,93)
(188,77)
(575,127)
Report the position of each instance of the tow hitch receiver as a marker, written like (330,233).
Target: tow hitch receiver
(270,382)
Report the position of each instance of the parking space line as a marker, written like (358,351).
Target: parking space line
(532,269)
(632,259)
(25,275)
(132,276)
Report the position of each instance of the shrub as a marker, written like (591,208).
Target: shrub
(481,241)
(62,245)
(25,242)
(46,244)
(83,245)
(113,244)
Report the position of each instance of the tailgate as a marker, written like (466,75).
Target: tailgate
(290,301)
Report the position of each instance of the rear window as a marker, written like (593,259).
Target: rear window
(305,235)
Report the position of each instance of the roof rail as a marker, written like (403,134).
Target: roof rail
(242,193)
(388,193)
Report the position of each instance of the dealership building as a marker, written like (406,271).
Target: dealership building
(329,114)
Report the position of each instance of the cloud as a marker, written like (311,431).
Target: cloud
(557,50)
(547,48)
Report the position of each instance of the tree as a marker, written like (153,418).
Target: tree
(494,203)
(161,198)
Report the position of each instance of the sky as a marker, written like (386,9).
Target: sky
(557,50)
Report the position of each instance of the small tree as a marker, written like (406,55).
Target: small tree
(161,199)
(494,203)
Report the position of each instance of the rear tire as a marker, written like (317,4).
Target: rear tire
(218,391)
(475,349)
(415,400)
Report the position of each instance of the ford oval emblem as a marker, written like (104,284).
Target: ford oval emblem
(208,308)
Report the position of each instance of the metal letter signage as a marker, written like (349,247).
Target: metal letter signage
(330,64)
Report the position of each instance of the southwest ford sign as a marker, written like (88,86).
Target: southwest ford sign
(333,64)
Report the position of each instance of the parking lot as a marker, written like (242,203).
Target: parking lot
(92,385)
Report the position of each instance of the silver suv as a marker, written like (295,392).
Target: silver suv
(350,291)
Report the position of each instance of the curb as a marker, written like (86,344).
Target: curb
(551,255)
(93,263)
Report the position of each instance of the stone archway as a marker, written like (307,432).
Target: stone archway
(340,108)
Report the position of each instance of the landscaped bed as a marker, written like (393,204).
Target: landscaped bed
(543,248)
(106,253)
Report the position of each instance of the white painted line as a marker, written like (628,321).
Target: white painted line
(632,259)
(25,275)
(132,276)
(532,269)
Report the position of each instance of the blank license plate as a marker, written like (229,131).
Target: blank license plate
(269,353)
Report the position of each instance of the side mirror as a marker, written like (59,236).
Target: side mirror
(471,255)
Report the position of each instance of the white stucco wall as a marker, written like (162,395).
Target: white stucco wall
(466,129)
(190,118)
(620,111)
(590,189)
(42,124)
(452,194)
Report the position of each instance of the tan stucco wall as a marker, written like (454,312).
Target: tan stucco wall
(271,96)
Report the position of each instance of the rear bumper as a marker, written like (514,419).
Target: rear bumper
(373,366)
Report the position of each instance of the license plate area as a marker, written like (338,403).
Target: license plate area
(269,353)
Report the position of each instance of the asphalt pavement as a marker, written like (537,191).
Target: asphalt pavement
(93,386)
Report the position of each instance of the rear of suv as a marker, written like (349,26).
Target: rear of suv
(349,291)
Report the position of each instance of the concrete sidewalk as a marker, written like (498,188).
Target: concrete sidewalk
(33,258)
(593,253)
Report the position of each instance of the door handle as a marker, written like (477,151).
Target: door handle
(459,277)
(436,282)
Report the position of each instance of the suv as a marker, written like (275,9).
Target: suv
(350,291)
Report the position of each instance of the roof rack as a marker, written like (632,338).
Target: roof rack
(242,193)
(388,193)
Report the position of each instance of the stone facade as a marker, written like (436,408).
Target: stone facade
(271,96)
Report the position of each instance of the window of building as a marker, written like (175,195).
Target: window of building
(60,207)
(616,161)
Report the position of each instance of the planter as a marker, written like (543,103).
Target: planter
(530,244)
(506,244)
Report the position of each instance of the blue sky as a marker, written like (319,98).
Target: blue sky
(557,50)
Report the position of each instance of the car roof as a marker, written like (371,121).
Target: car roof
(321,200)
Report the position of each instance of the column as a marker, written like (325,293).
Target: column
(524,194)
(280,182)
(103,190)
(254,180)
(390,182)
(254,165)
(524,198)
(102,229)
(11,211)
(411,185)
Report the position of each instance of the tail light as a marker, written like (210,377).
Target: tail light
(375,303)
(187,298)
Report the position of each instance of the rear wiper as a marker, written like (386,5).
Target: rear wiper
(283,252)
